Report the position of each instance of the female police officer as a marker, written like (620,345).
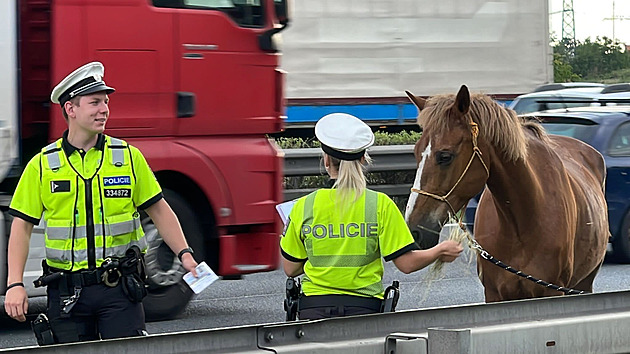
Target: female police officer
(337,236)
(88,186)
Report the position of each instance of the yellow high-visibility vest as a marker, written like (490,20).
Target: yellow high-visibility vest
(89,216)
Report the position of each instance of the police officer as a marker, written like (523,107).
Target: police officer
(88,186)
(336,236)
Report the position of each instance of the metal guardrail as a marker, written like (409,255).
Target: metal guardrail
(5,200)
(386,158)
(590,323)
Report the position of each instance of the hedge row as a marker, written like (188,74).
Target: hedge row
(380,138)
(373,178)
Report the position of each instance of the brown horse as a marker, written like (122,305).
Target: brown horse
(543,211)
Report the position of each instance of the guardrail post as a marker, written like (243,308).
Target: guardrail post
(406,343)
(449,340)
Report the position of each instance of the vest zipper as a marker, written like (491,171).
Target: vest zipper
(89,224)
(76,219)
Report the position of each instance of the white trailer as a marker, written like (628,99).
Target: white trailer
(347,54)
(8,111)
(8,87)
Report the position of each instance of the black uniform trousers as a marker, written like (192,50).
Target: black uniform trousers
(326,306)
(100,313)
(317,313)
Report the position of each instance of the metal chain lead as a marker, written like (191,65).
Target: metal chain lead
(487,256)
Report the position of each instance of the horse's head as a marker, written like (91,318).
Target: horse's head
(450,167)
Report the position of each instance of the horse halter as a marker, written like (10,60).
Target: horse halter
(474,129)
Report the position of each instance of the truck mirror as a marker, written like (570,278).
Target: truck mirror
(283,11)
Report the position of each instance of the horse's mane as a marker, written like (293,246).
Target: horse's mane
(500,126)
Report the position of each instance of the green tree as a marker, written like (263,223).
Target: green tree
(591,60)
(562,70)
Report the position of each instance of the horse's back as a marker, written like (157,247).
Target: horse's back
(580,158)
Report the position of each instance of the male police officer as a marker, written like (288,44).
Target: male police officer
(89,186)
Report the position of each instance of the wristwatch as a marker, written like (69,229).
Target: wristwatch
(185,250)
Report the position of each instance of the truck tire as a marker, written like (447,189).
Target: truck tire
(168,294)
(621,243)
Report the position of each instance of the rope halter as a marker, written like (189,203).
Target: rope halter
(474,129)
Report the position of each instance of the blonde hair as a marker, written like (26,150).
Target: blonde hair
(351,182)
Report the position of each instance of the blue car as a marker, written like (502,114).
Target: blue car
(607,129)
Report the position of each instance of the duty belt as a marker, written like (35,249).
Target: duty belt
(79,279)
(85,278)
(308,302)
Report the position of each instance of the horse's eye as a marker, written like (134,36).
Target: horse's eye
(444,157)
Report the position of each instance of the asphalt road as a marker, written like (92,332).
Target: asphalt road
(257,298)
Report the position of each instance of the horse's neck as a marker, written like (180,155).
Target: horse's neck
(516,190)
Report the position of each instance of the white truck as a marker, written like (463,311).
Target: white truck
(359,57)
(8,118)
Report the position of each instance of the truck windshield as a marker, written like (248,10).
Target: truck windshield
(246,13)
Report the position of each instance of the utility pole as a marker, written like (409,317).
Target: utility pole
(568,26)
(614,19)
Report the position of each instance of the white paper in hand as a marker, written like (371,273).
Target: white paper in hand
(284,209)
(205,277)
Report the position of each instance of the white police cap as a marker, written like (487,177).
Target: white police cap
(344,136)
(83,81)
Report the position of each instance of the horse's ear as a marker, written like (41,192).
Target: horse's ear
(462,102)
(418,101)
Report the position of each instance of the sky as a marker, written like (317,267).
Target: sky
(591,18)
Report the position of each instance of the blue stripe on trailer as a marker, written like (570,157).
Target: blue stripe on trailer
(398,113)
(386,112)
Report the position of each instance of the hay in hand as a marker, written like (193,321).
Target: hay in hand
(457,234)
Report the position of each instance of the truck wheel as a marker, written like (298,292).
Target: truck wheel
(168,294)
(621,243)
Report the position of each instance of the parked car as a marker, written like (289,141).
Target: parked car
(615,88)
(613,98)
(555,99)
(568,95)
(565,85)
(607,129)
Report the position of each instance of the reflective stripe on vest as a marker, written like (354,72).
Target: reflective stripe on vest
(51,152)
(62,233)
(371,243)
(118,154)
(64,256)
